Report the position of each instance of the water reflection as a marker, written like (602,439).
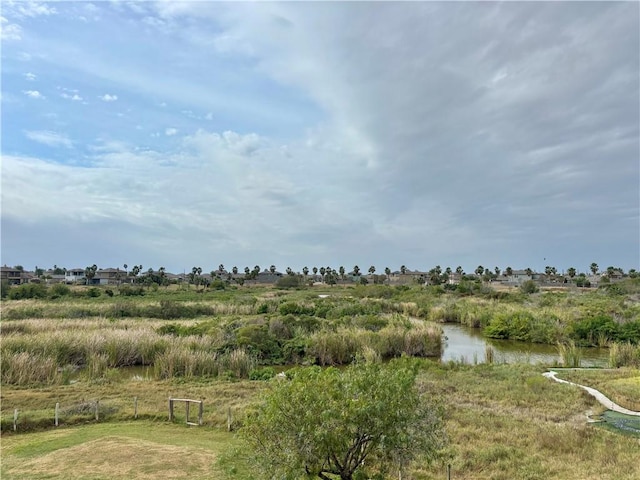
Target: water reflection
(468,344)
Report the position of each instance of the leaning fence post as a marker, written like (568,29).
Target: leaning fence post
(56,414)
(200,412)
(97,408)
(135,407)
(15,419)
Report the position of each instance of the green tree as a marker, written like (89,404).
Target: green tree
(403,269)
(594,268)
(322,272)
(305,271)
(330,423)
(90,273)
(372,270)
(479,270)
(509,271)
(571,272)
(234,270)
(341,270)
(272,269)
(387,272)
(356,270)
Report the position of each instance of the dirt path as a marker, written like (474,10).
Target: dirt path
(598,395)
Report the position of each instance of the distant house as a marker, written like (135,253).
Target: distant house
(109,276)
(518,277)
(75,275)
(14,276)
(267,277)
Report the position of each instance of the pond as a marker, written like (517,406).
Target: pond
(467,344)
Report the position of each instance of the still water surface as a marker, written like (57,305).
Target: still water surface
(468,345)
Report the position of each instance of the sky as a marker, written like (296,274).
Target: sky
(183,134)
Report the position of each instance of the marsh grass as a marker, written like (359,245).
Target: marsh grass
(624,355)
(570,353)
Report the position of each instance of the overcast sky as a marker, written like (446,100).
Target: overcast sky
(182,134)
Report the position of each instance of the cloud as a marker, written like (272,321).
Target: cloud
(170,132)
(49,138)
(30,76)
(22,9)
(108,97)
(75,97)
(9,31)
(33,94)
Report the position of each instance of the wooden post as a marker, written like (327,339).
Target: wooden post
(200,412)
(15,419)
(56,414)
(449,472)
(187,403)
(97,409)
(228,419)
(170,409)
(135,407)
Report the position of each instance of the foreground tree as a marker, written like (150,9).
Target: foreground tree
(360,421)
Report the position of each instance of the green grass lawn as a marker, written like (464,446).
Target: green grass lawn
(130,450)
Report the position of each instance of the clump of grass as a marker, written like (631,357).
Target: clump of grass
(24,368)
(489,354)
(624,355)
(570,353)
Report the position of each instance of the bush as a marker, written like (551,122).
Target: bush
(529,287)
(289,281)
(264,373)
(94,292)
(28,290)
(59,290)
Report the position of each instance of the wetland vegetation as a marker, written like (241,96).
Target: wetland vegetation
(70,346)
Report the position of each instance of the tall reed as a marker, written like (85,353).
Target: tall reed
(571,354)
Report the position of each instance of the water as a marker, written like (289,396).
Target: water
(468,345)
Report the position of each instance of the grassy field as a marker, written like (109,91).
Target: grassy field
(503,422)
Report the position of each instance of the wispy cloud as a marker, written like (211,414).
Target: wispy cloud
(9,31)
(33,94)
(75,97)
(108,97)
(170,131)
(49,138)
(30,76)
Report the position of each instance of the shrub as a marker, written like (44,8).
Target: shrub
(28,290)
(59,290)
(289,281)
(94,292)
(529,287)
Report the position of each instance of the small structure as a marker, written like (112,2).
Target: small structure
(188,403)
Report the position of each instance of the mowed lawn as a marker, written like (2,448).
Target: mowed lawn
(133,450)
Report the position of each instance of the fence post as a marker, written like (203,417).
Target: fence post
(228,419)
(200,412)
(449,472)
(15,419)
(135,407)
(187,409)
(56,414)
(97,409)
(170,409)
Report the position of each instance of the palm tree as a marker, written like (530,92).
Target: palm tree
(459,270)
(341,271)
(356,271)
(594,268)
(372,270)
(571,272)
(479,270)
(221,268)
(234,270)
(90,272)
(403,269)
(509,271)
(528,271)
(272,269)
(289,271)
(322,272)
(387,272)
(305,271)
(497,270)
(315,271)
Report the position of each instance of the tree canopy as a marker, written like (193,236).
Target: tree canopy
(331,423)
